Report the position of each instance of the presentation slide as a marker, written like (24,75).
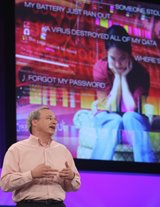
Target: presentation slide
(96,64)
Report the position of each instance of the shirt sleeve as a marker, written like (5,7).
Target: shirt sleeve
(101,73)
(11,177)
(74,184)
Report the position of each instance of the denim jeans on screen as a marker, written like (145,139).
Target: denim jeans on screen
(109,127)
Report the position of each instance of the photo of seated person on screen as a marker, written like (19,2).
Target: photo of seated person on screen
(127,81)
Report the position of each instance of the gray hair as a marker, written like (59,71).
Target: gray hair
(34,115)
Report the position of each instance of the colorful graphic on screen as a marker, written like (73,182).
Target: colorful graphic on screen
(96,64)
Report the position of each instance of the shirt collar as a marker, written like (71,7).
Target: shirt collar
(36,141)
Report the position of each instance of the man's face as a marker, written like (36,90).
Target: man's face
(46,123)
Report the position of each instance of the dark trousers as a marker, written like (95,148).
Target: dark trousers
(39,204)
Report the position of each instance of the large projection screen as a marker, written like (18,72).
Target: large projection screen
(58,44)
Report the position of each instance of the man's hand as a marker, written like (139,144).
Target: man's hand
(67,173)
(43,170)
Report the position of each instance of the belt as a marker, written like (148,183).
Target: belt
(47,202)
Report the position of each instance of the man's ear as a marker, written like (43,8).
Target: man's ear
(34,122)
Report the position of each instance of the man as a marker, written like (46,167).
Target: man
(39,170)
